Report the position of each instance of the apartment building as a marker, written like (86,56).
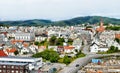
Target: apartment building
(6,67)
(25,36)
(33,63)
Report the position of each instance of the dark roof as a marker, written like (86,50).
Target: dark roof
(93,44)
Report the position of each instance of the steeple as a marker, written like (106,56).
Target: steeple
(101,23)
(101,27)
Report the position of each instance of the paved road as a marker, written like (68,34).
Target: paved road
(71,68)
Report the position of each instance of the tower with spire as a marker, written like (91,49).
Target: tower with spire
(101,27)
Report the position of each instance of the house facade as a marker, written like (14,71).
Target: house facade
(6,67)
(25,36)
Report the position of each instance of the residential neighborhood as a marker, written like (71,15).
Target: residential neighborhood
(53,48)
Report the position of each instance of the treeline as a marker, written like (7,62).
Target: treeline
(69,22)
(54,41)
(115,28)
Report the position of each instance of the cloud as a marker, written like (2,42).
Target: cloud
(57,9)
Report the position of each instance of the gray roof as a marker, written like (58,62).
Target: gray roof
(9,63)
(17,57)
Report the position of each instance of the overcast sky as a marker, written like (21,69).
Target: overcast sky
(57,9)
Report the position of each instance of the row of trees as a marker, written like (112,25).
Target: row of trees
(50,55)
(41,43)
(59,41)
(54,41)
(113,28)
(67,60)
(113,49)
(53,56)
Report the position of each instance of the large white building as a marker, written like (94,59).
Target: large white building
(25,36)
(34,63)
(94,48)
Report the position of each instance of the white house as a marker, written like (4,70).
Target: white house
(113,43)
(95,48)
(24,50)
(33,48)
(69,49)
(40,38)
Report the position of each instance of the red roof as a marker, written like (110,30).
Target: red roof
(14,41)
(69,47)
(26,44)
(117,36)
(9,50)
(2,53)
(101,28)
(60,47)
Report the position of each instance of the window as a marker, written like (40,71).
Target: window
(12,67)
(12,71)
(8,66)
(16,71)
(16,67)
(4,71)
(21,67)
(8,71)
(4,66)
(21,71)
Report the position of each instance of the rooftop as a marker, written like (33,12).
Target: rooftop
(2,53)
(9,63)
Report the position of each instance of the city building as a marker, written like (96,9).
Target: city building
(33,63)
(101,27)
(25,36)
(6,67)
(97,48)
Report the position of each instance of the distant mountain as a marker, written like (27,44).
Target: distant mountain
(35,22)
(73,21)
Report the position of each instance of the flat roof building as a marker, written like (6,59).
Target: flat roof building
(7,67)
(34,63)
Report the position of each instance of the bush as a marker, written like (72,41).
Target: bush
(16,52)
(66,60)
(50,55)
(113,49)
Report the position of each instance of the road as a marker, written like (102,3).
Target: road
(71,68)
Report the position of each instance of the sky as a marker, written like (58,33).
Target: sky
(57,9)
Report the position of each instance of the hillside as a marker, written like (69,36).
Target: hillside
(73,21)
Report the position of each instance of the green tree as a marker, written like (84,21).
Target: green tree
(59,41)
(117,40)
(66,60)
(52,40)
(80,54)
(70,41)
(50,55)
(16,52)
(113,49)
(36,43)
(115,28)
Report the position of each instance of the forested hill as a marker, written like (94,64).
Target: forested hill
(73,21)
